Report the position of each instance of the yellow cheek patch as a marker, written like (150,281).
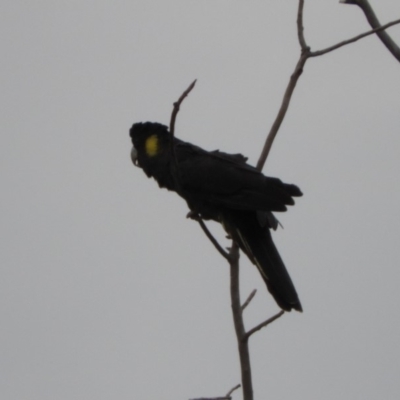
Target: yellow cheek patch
(151,145)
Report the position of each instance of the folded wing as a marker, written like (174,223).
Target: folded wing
(227,180)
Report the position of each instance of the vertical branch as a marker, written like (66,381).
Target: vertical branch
(177,105)
(233,259)
(243,347)
(174,113)
(300,26)
(305,54)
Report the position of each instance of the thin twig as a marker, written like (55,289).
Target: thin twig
(249,299)
(214,241)
(300,27)
(213,398)
(262,325)
(226,397)
(282,111)
(354,39)
(289,91)
(174,113)
(177,105)
(374,22)
(243,347)
(232,390)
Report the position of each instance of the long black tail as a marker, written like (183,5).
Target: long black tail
(256,241)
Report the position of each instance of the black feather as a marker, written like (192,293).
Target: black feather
(256,242)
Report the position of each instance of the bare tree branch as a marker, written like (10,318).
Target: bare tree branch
(213,398)
(177,105)
(305,54)
(226,397)
(374,22)
(249,299)
(282,111)
(214,241)
(262,325)
(243,347)
(300,26)
(289,89)
(354,39)
(174,113)
(232,390)
(233,259)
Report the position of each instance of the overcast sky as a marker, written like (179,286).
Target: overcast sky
(107,291)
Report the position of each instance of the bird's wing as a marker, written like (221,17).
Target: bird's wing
(226,180)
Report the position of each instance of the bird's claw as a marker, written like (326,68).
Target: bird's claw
(193,215)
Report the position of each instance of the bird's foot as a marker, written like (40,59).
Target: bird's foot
(193,215)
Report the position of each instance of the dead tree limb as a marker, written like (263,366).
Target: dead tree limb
(306,53)
(174,113)
(262,325)
(354,39)
(243,348)
(374,22)
(249,299)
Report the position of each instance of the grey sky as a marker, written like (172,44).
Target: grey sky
(107,291)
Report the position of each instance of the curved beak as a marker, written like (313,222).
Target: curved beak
(134,156)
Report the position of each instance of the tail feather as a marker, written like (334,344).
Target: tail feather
(256,242)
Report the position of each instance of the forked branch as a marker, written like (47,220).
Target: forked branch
(355,39)
(289,89)
(374,22)
(232,390)
(262,325)
(233,259)
(249,299)
(306,53)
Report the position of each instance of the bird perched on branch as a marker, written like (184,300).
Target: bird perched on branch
(224,188)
